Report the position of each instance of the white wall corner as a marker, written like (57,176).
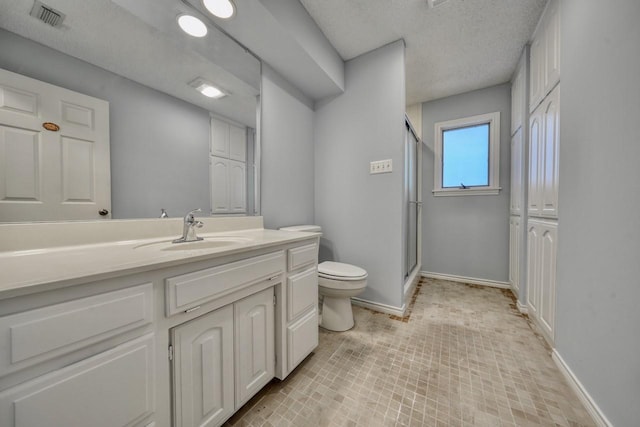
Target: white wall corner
(590,405)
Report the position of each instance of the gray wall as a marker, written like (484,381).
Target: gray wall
(467,235)
(361,214)
(287,166)
(159,144)
(598,270)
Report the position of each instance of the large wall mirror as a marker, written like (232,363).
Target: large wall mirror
(166,140)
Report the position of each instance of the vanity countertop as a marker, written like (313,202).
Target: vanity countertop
(33,270)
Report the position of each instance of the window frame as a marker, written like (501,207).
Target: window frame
(493,120)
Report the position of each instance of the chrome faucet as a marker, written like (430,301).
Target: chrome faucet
(189,228)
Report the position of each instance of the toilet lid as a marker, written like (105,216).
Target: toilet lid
(338,269)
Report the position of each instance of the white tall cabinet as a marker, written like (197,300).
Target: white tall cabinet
(228,167)
(518,211)
(542,200)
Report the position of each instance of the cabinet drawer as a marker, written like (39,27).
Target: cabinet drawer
(302,292)
(38,335)
(302,338)
(301,256)
(112,389)
(190,290)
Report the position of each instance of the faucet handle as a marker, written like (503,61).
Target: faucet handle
(189,216)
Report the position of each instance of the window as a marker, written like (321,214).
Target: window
(467,156)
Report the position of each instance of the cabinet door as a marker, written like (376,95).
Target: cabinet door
(237,187)
(112,389)
(219,169)
(535,141)
(516,172)
(203,362)
(552,47)
(255,352)
(536,77)
(533,262)
(514,252)
(548,156)
(517,98)
(219,138)
(237,143)
(547,274)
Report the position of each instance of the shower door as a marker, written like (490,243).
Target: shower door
(412,197)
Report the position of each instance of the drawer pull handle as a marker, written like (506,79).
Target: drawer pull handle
(274,277)
(192,309)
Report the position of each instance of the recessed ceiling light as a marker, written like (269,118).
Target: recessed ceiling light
(192,25)
(206,88)
(221,8)
(210,91)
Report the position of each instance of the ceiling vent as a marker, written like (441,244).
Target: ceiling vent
(47,14)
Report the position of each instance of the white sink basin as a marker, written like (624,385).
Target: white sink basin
(207,243)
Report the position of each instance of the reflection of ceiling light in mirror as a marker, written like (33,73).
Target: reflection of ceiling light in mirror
(206,88)
(221,8)
(192,25)
(210,91)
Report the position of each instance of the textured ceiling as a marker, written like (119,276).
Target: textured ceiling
(456,47)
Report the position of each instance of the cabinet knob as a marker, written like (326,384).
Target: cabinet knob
(103,212)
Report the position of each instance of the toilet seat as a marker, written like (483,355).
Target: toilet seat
(341,271)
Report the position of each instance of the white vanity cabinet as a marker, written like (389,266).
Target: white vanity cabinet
(184,344)
(84,361)
(302,304)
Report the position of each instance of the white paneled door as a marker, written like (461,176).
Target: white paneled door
(54,152)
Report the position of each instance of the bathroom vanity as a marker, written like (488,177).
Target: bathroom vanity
(144,332)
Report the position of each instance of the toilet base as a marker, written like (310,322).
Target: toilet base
(337,314)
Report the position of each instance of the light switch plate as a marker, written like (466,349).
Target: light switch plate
(381,166)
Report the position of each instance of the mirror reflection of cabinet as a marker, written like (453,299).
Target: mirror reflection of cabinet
(228,167)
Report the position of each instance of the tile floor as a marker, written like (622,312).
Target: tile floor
(464,356)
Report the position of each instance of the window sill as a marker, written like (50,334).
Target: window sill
(484,191)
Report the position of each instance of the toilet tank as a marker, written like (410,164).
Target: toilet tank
(307,228)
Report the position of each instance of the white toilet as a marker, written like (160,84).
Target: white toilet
(337,283)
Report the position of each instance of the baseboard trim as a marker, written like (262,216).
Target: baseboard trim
(382,308)
(524,309)
(410,285)
(470,280)
(586,399)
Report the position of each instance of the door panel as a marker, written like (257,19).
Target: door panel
(20,165)
(549,155)
(532,269)
(203,370)
(59,174)
(535,136)
(255,352)
(219,185)
(547,268)
(237,186)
